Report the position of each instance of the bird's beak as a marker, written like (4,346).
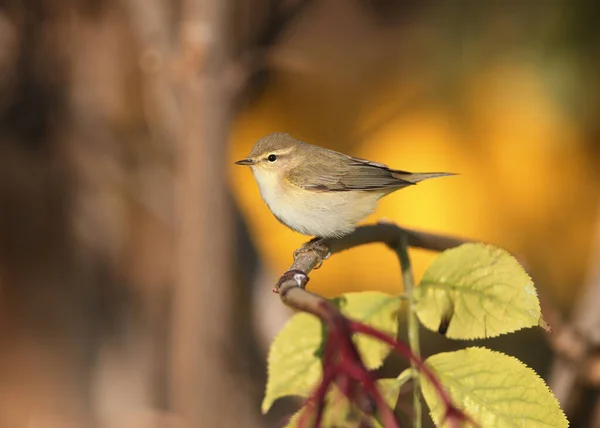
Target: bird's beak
(246,161)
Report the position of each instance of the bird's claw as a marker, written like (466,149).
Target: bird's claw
(318,248)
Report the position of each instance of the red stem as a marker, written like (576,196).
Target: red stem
(318,397)
(453,414)
(342,364)
(352,364)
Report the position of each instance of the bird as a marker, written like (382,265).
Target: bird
(321,192)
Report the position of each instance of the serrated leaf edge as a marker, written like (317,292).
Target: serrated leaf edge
(507,356)
(461,290)
(266,405)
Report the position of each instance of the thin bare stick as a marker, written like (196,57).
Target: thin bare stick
(413,325)
(575,342)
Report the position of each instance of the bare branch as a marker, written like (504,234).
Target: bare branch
(578,340)
(386,233)
(245,71)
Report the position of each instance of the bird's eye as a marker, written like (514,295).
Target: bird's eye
(272,158)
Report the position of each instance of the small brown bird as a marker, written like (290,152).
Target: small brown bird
(320,192)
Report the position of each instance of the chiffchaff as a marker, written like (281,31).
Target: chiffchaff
(320,192)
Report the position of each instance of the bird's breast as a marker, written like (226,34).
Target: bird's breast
(323,214)
(270,186)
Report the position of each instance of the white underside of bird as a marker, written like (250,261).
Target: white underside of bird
(303,210)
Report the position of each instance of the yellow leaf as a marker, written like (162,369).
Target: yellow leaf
(379,310)
(339,413)
(494,389)
(294,367)
(476,291)
(294,364)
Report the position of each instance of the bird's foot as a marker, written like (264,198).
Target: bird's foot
(316,246)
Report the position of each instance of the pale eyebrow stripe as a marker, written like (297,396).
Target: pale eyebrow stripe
(282,151)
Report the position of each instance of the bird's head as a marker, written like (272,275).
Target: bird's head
(274,154)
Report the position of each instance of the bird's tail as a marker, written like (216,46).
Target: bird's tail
(415,177)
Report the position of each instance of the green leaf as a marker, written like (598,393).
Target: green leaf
(294,365)
(339,413)
(379,310)
(477,291)
(390,388)
(494,389)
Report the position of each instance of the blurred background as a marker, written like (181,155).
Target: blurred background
(136,261)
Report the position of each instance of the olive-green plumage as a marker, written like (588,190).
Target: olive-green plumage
(321,192)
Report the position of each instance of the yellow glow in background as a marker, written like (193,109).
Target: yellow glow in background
(524,180)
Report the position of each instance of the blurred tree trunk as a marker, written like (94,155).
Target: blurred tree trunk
(47,323)
(203,338)
(117,300)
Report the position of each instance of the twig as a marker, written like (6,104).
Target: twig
(413,325)
(291,285)
(279,19)
(256,60)
(578,340)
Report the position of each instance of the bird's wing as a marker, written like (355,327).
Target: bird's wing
(337,172)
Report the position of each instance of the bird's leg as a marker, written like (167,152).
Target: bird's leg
(318,247)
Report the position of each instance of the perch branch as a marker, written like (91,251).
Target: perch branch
(292,283)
